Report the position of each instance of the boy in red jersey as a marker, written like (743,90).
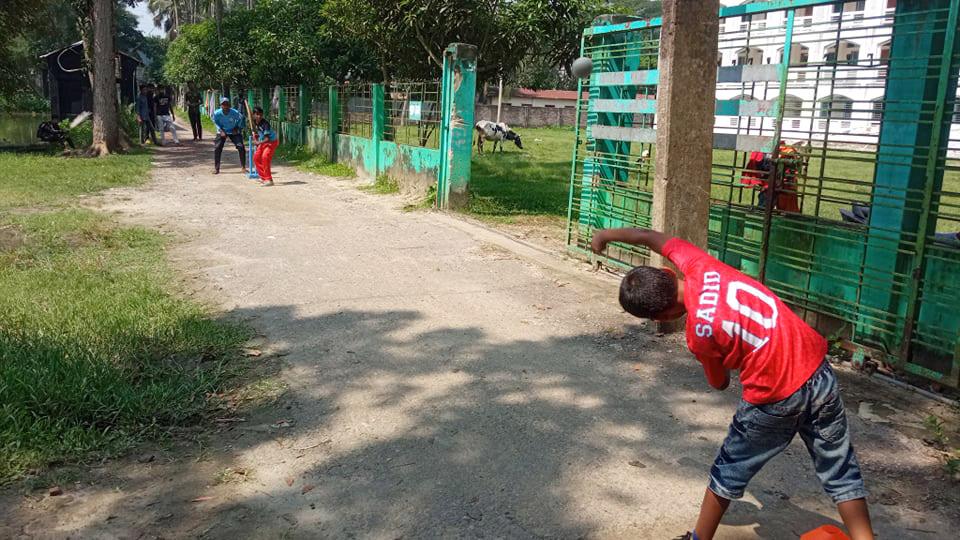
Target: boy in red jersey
(735,323)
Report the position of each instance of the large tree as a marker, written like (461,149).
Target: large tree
(106,125)
(409,36)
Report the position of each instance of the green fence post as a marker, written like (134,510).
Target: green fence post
(913,132)
(333,124)
(379,115)
(304,106)
(458,94)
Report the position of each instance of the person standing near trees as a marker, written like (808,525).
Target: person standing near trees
(166,116)
(193,111)
(144,116)
(229,123)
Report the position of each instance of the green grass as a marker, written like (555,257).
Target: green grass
(98,352)
(40,179)
(508,186)
(383,185)
(303,159)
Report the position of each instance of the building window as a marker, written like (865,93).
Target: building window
(750,55)
(836,107)
(956,112)
(876,114)
(799,54)
(792,107)
(844,52)
(734,121)
(848,7)
(795,124)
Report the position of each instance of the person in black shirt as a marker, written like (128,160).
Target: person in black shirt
(165,115)
(193,111)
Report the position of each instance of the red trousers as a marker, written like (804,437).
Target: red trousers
(262,158)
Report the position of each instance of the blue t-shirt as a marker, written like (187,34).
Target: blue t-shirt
(265,132)
(228,122)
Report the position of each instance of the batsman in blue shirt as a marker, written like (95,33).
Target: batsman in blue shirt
(229,123)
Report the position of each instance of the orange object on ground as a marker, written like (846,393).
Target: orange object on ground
(827,532)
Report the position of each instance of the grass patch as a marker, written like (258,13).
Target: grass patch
(383,185)
(305,160)
(97,353)
(505,187)
(40,179)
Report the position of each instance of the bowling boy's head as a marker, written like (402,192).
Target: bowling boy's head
(652,293)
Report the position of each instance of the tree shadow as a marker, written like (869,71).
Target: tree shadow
(402,429)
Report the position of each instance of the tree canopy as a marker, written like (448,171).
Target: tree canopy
(408,36)
(275,42)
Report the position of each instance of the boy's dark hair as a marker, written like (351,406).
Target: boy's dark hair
(258,110)
(646,291)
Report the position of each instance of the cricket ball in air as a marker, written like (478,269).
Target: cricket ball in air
(581,67)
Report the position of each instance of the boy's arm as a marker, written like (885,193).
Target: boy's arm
(717,375)
(639,237)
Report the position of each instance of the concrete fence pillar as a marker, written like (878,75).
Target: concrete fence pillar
(458,95)
(685,118)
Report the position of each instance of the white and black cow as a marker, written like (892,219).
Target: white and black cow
(496,132)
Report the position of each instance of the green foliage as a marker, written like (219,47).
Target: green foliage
(936,427)
(383,185)
(638,8)
(277,42)
(408,36)
(24,100)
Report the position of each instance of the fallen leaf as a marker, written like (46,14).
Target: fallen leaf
(201,499)
(307,488)
(637,464)
(252,352)
(290,480)
(55,491)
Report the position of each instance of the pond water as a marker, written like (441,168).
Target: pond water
(19,129)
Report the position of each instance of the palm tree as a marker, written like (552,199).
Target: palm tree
(166,15)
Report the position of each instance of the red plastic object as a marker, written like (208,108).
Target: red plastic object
(827,532)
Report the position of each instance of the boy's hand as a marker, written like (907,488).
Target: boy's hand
(599,242)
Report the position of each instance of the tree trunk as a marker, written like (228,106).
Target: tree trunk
(106,128)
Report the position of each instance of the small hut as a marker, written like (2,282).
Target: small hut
(68,83)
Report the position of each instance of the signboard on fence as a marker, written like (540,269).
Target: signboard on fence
(415,108)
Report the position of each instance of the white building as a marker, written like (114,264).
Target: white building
(835,86)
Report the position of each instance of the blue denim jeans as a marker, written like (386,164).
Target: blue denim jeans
(759,432)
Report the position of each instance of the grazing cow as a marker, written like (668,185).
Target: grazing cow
(492,131)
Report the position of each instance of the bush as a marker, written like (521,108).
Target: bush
(24,101)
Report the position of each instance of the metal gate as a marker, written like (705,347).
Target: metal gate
(849,109)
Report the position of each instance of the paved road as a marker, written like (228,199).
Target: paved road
(441,381)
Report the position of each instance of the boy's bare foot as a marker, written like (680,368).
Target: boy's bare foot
(267,183)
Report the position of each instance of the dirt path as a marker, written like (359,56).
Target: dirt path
(443,381)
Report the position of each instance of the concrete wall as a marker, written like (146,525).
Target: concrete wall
(527,117)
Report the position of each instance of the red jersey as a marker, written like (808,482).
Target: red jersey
(735,323)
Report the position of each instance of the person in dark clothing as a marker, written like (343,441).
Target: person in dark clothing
(144,116)
(152,96)
(166,116)
(193,111)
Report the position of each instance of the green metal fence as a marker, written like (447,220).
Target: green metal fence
(835,176)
